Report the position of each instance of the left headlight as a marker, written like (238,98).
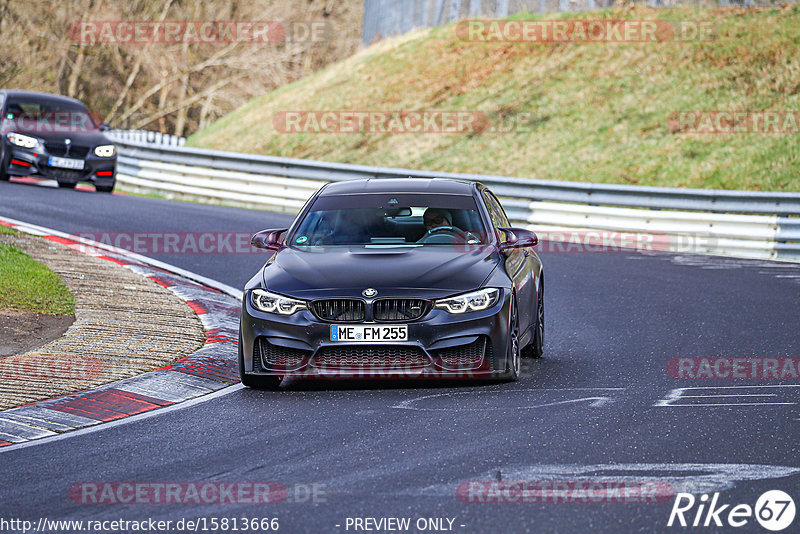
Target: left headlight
(105,151)
(273,303)
(473,301)
(25,141)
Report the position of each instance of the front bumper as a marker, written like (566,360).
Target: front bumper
(35,162)
(439,345)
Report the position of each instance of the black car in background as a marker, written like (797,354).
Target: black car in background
(54,137)
(394,278)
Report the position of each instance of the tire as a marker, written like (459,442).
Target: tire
(64,185)
(513,355)
(536,347)
(104,188)
(269,382)
(4,176)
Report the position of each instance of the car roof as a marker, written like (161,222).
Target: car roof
(11,93)
(400,185)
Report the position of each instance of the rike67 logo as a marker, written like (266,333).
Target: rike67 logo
(774,510)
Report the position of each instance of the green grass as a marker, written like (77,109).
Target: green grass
(28,285)
(5,230)
(599,112)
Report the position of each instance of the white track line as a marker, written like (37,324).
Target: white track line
(132,419)
(229,290)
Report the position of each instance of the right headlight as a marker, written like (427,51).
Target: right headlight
(25,141)
(473,301)
(269,302)
(105,151)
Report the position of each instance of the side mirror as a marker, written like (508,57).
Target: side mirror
(104,127)
(268,239)
(518,238)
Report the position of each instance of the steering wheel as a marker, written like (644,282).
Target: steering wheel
(443,234)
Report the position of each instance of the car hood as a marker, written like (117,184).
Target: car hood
(427,272)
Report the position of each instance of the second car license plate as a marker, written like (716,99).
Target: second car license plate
(369,333)
(65,163)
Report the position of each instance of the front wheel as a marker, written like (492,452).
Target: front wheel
(4,176)
(513,362)
(268,382)
(536,348)
(65,185)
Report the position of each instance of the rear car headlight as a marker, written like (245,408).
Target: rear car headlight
(25,141)
(273,303)
(473,301)
(105,151)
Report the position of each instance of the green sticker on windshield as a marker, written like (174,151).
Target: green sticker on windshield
(302,239)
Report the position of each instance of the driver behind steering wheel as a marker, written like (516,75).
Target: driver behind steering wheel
(436,219)
(439,223)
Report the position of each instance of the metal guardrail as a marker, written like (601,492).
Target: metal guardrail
(147,136)
(742,223)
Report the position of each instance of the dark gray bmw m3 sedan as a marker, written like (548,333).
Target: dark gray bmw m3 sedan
(393,278)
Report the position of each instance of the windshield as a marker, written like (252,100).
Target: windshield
(47,116)
(385,220)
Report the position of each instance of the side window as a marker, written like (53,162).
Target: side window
(495,210)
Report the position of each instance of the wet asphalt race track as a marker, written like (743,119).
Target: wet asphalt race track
(600,405)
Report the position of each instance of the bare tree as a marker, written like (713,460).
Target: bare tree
(175,87)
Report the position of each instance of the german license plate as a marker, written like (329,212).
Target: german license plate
(66,163)
(369,333)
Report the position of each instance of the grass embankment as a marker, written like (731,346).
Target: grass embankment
(28,285)
(598,112)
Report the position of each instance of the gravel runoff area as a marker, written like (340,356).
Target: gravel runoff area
(125,325)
